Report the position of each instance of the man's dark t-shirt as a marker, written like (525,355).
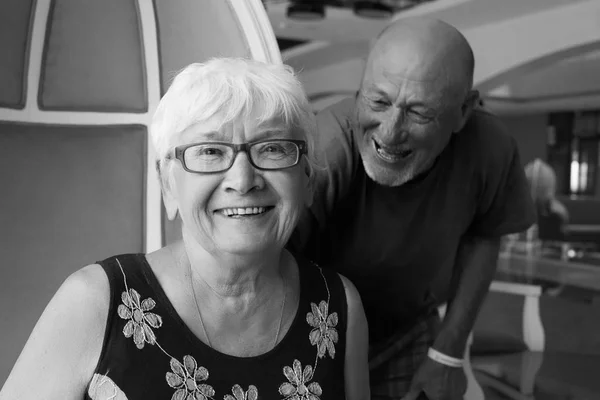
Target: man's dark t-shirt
(398,244)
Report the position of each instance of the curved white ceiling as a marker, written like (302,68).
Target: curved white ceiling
(514,42)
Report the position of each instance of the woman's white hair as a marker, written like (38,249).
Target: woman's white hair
(230,89)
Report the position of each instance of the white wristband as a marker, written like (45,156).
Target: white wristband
(444,359)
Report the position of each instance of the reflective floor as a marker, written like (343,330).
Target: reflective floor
(550,300)
(540,376)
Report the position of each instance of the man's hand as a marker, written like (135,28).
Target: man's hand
(437,382)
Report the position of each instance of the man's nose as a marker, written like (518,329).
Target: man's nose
(242,176)
(396,128)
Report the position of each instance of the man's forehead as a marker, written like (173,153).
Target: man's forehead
(409,78)
(406,60)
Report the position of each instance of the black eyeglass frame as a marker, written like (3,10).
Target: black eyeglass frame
(179,152)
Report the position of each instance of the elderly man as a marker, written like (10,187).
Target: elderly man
(418,188)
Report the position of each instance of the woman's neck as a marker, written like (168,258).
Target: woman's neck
(229,275)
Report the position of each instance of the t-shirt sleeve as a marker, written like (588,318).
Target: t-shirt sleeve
(504,203)
(336,156)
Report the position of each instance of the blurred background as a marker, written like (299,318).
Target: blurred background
(79,80)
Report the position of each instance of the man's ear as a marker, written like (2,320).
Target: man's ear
(467,108)
(168,192)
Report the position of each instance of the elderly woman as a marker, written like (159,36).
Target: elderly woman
(227,312)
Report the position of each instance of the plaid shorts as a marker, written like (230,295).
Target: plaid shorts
(393,364)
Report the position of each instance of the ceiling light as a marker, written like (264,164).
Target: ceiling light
(306,10)
(372,9)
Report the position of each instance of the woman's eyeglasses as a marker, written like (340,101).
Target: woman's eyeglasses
(207,157)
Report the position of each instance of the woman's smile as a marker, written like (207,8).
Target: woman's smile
(244,212)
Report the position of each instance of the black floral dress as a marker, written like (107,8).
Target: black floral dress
(149,352)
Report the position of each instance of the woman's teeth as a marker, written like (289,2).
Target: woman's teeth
(243,211)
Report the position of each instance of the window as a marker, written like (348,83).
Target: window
(584,153)
(574,151)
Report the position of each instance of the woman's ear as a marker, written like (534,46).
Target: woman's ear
(167,186)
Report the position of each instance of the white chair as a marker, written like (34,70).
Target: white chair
(487,370)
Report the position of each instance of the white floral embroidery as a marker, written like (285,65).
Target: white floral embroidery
(140,318)
(239,394)
(298,387)
(186,378)
(324,336)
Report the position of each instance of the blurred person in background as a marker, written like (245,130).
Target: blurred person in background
(227,312)
(542,182)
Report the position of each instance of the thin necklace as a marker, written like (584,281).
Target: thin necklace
(202,321)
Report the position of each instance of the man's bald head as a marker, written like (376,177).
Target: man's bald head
(428,47)
(414,95)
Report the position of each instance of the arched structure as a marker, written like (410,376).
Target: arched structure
(79,80)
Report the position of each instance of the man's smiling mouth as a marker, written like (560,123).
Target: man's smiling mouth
(391,155)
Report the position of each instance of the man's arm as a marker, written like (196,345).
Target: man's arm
(474,268)
(504,206)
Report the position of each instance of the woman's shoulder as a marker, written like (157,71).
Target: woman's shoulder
(317,275)
(66,342)
(89,285)
(344,289)
(91,289)
(93,284)
(322,285)
(352,295)
(133,268)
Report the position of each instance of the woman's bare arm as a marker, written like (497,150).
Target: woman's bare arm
(60,356)
(357,347)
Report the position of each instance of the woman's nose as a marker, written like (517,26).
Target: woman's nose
(242,177)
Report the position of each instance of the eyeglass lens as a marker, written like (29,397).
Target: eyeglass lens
(213,157)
